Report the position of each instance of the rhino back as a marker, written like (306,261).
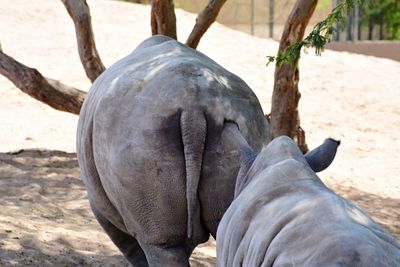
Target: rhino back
(170,76)
(135,107)
(300,222)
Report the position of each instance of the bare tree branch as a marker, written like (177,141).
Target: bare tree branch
(285,118)
(80,14)
(51,92)
(204,21)
(163,19)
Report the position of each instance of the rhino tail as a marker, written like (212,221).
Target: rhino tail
(193,130)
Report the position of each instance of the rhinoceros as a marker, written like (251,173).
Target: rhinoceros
(150,154)
(284,215)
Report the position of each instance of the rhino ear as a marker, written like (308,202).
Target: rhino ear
(233,141)
(321,157)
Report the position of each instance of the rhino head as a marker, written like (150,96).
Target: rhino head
(318,159)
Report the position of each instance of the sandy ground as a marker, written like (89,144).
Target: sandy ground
(44,215)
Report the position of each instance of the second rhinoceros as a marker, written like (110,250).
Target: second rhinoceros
(150,154)
(283,214)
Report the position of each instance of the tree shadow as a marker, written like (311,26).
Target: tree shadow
(32,252)
(48,178)
(45,218)
(51,158)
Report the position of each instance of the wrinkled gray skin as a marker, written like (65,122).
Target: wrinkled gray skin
(149,149)
(283,215)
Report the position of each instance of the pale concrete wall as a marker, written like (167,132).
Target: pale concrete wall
(385,49)
(237,14)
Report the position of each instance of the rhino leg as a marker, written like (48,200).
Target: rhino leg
(126,243)
(172,256)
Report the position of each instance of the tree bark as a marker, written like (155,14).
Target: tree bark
(381,27)
(51,92)
(359,21)
(285,118)
(80,14)
(370,29)
(349,25)
(204,21)
(163,19)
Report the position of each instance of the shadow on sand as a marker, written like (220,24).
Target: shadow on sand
(45,219)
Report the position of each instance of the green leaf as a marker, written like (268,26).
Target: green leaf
(320,35)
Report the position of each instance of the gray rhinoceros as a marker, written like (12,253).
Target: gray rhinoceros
(283,215)
(149,149)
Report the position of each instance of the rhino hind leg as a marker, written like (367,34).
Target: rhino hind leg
(127,244)
(168,256)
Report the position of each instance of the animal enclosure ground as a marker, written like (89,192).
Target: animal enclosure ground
(46,220)
(44,215)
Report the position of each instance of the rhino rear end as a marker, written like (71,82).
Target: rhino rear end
(152,126)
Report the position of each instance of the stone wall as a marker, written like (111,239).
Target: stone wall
(385,49)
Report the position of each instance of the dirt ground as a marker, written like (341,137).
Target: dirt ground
(45,219)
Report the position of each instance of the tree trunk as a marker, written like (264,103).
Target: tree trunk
(381,27)
(359,21)
(349,25)
(370,29)
(48,91)
(337,26)
(163,19)
(204,21)
(252,17)
(285,118)
(80,14)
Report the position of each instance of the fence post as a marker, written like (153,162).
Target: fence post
(349,25)
(253,8)
(337,30)
(271,18)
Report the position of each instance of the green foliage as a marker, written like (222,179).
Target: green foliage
(322,4)
(179,4)
(386,12)
(321,34)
